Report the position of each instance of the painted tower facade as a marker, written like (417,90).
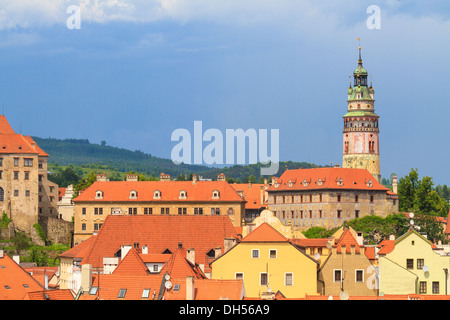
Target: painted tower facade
(361,131)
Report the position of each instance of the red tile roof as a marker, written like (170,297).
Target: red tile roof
(10,142)
(386,246)
(317,242)
(80,250)
(252,194)
(208,289)
(347,240)
(64,294)
(158,232)
(15,282)
(264,233)
(119,191)
(327,178)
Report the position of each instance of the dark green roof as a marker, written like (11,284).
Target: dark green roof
(359,113)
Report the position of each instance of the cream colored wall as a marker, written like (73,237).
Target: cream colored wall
(404,249)
(289,259)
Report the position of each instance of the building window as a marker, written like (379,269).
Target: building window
(122,293)
(216,194)
(40,165)
(288,279)
(98,211)
(356,198)
(83,210)
(273,253)
(1,162)
(356,213)
(2,194)
(1,172)
(338,198)
(148,210)
(83,226)
(359,275)
(423,287)
(97,226)
(164,210)
(183,194)
(371,198)
(436,287)
(420,264)
(145,293)
(16,175)
(339,212)
(16,193)
(182,210)
(132,210)
(27,193)
(16,162)
(99,194)
(215,211)
(133,195)
(27,162)
(41,177)
(337,276)
(239,276)
(255,253)
(409,263)
(198,210)
(263,279)
(157,195)
(27,175)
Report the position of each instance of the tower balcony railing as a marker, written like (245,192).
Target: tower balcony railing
(354,129)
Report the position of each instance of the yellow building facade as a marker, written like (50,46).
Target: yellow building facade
(414,266)
(268,262)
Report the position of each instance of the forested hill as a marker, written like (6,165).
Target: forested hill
(82,152)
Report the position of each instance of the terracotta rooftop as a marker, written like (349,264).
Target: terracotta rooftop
(208,289)
(119,191)
(347,240)
(11,142)
(50,295)
(264,233)
(315,242)
(252,194)
(15,282)
(158,232)
(327,178)
(386,246)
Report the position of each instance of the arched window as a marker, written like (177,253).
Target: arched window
(99,194)
(215,194)
(133,194)
(157,194)
(183,194)
(2,194)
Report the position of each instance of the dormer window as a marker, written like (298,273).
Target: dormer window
(290,183)
(305,183)
(369,183)
(133,194)
(99,194)
(340,182)
(183,194)
(319,182)
(157,194)
(215,194)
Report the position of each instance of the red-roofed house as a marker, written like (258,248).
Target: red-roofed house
(203,237)
(172,198)
(325,197)
(25,192)
(268,262)
(348,269)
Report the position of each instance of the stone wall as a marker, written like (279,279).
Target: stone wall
(57,230)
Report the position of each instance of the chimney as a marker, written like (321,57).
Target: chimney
(180,245)
(261,196)
(394,184)
(190,289)
(221,177)
(359,238)
(391,237)
(194,178)
(228,243)
(16,258)
(1,253)
(273,180)
(86,277)
(132,177)
(124,250)
(190,255)
(45,281)
(217,252)
(101,176)
(249,184)
(144,249)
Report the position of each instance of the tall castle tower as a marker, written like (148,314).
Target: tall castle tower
(361,131)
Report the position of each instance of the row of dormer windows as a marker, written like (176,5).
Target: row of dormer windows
(156,194)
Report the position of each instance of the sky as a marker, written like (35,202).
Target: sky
(135,71)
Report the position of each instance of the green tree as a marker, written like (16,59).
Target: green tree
(85,183)
(430,226)
(20,242)
(407,187)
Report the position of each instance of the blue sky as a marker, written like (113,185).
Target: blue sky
(138,70)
